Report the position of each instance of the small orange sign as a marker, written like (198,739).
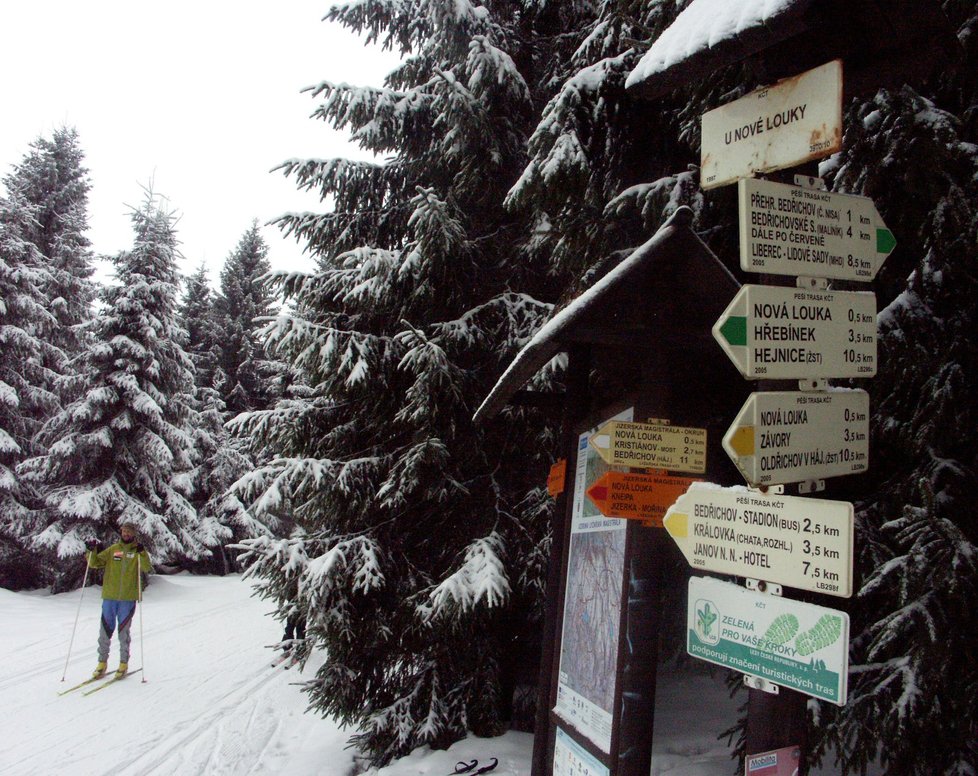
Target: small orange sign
(555,480)
(637,496)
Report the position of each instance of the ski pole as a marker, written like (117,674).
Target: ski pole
(75,626)
(139,586)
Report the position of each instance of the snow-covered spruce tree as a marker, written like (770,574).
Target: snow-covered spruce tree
(245,300)
(25,327)
(606,169)
(219,460)
(198,317)
(47,264)
(117,452)
(53,180)
(913,693)
(425,537)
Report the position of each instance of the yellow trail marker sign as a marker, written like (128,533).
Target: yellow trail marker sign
(804,543)
(651,446)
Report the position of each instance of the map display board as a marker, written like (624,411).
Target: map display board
(572,759)
(592,614)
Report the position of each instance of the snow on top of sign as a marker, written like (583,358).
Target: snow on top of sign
(703,25)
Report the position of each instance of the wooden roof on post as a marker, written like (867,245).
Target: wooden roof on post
(883,43)
(670,290)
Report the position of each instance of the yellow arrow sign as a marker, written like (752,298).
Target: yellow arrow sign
(742,440)
(651,446)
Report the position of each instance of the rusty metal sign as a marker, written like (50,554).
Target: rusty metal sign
(794,121)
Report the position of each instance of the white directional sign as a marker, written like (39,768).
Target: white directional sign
(791,643)
(793,121)
(792,436)
(651,446)
(791,230)
(799,542)
(774,333)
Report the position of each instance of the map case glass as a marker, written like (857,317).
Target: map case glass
(592,605)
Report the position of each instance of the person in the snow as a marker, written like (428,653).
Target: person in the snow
(123,562)
(295,634)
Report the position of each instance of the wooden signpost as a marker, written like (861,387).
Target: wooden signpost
(781,333)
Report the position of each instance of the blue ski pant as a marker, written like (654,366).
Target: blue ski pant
(115,613)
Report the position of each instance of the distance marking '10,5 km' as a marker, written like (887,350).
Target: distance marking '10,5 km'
(778,333)
(793,436)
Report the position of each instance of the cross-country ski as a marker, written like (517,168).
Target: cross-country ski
(86,683)
(112,679)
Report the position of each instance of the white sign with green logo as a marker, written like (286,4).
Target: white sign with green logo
(790,643)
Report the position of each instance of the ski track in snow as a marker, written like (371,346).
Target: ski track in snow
(212,704)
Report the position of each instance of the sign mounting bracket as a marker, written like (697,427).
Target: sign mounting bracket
(812,284)
(760,586)
(760,683)
(811,486)
(815,384)
(811,182)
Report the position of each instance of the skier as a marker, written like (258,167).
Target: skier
(295,634)
(123,562)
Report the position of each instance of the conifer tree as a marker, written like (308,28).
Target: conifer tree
(418,561)
(198,316)
(25,328)
(52,179)
(116,453)
(244,302)
(913,694)
(219,460)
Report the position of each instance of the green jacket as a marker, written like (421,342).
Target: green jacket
(122,565)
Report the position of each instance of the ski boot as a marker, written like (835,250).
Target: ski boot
(99,671)
(122,670)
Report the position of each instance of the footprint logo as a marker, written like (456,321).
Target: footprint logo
(782,630)
(826,631)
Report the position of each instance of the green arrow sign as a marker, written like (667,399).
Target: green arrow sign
(791,230)
(779,333)
(734,330)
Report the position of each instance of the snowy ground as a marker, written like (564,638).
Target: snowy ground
(212,704)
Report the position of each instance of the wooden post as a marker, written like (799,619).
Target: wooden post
(575,406)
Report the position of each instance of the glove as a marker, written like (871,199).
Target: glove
(139,547)
(92,545)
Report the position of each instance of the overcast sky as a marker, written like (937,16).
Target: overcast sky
(200,97)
